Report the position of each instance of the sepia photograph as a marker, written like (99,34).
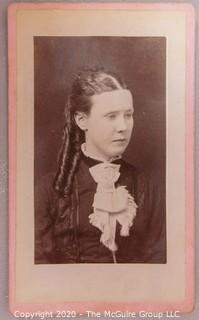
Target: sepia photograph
(91,205)
(101,167)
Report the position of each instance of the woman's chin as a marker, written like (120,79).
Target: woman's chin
(119,148)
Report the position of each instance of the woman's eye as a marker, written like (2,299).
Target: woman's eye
(111,116)
(128,115)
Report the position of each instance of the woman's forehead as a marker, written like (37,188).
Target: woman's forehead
(121,98)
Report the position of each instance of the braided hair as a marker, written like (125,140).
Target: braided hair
(87,83)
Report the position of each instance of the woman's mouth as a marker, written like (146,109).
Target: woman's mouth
(119,140)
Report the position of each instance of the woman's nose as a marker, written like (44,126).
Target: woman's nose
(121,124)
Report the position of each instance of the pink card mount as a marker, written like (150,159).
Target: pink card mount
(94,290)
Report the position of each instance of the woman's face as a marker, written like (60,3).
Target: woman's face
(109,124)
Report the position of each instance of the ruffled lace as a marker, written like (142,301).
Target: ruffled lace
(111,205)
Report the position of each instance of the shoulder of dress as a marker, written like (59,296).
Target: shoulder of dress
(128,167)
(151,183)
(138,175)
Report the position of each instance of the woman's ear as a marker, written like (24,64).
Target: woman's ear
(81,120)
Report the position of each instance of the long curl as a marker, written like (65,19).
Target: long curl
(68,156)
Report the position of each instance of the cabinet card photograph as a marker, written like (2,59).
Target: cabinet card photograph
(101,173)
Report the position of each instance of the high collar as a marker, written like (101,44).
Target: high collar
(90,161)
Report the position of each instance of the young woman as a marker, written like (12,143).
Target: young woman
(97,208)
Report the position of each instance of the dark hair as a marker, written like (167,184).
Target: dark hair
(87,82)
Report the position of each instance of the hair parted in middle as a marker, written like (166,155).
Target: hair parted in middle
(87,83)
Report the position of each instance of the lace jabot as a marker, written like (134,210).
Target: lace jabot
(111,204)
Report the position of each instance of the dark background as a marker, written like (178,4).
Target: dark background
(141,61)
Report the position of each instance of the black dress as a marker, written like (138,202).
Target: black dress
(69,237)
